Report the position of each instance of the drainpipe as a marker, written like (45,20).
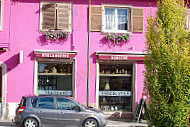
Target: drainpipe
(88,74)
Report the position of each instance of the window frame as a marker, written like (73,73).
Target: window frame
(1,15)
(117,6)
(55,2)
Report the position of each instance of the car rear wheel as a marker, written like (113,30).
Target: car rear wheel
(90,123)
(30,122)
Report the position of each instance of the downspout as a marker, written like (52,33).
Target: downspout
(88,74)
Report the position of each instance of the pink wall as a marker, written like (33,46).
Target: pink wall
(23,34)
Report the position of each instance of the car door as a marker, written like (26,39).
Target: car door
(68,115)
(47,111)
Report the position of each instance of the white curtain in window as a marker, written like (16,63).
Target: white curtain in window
(110,18)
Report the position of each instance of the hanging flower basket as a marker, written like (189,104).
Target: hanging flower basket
(56,35)
(118,38)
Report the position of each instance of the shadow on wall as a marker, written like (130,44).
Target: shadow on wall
(12,62)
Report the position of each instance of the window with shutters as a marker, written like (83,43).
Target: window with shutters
(1,15)
(56,16)
(112,18)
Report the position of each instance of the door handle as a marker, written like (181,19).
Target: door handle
(61,113)
(40,112)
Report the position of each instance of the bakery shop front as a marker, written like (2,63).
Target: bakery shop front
(116,81)
(55,73)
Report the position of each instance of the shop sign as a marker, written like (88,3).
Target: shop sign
(115,93)
(121,57)
(55,55)
(54,92)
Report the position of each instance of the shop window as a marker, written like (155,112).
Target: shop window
(1,14)
(115,87)
(110,18)
(56,16)
(55,78)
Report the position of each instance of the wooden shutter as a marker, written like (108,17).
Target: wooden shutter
(64,16)
(49,16)
(96,18)
(137,20)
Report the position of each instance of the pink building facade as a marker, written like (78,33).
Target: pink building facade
(32,65)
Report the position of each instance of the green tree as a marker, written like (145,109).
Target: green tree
(167,75)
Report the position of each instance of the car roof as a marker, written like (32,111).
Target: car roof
(29,96)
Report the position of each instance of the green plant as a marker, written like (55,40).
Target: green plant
(118,39)
(56,35)
(167,76)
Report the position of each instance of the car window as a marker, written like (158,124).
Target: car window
(46,102)
(66,104)
(34,102)
(23,102)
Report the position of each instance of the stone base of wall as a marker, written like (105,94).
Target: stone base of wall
(119,115)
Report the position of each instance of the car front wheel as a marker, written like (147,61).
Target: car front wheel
(30,122)
(90,123)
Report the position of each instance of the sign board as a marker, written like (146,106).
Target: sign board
(54,92)
(115,93)
(55,55)
(121,57)
(141,105)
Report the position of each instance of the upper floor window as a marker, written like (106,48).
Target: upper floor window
(1,15)
(56,16)
(117,18)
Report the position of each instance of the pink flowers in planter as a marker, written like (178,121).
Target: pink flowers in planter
(118,38)
(56,35)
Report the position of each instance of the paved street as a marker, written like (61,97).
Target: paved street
(111,123)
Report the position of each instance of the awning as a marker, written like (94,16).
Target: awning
(137,56)
(54,54)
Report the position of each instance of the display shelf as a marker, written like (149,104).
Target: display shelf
(111,75)
(54,74)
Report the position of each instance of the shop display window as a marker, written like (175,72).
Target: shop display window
(55,78)
(115,87)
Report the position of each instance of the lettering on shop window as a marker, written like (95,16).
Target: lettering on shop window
(55,55)
(118,57)
(54,92)
(115,93)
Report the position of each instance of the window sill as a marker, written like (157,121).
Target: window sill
(42,31)
(124,32)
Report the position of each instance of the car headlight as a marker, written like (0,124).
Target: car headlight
(101,114)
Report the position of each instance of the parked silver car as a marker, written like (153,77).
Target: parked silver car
(55,111)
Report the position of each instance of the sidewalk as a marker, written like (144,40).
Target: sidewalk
(125,123)
(110,123)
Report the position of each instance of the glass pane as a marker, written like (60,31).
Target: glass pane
(115,90)
(55,78)
(47,102)
(109,18)
(122,19)
(66,104)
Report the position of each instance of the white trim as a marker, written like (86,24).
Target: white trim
(74,78)
(123,6)
(41,15)
(97,83)
(132,53)
(54,51)
(135,88)
(1,15)
(4,89)
(35,77)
